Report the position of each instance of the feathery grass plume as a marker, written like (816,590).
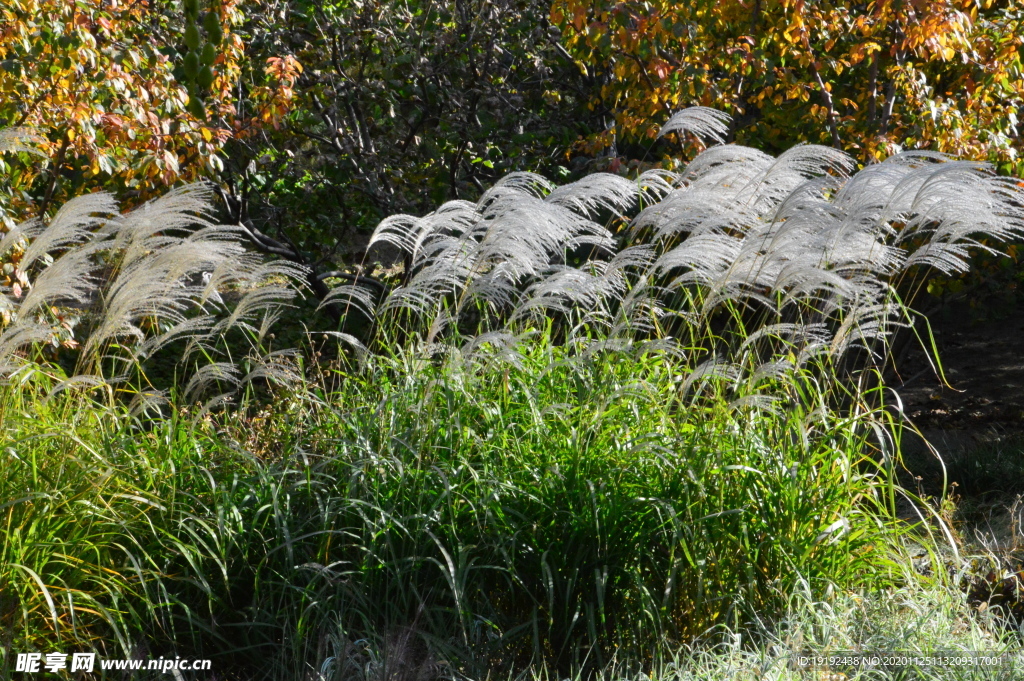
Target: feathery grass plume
(861,324)
(627,292)
(57,262)
(280,367)
(702,121)
(790,170)
(261,296)
(707,371)
(152,288)
(69,280)
(407,233)
(74,223)
(594,193)
(148,401)
(655,183)
(595,293)
(480,258)
(956,202)
(15,339)
(210,405)
(209,375)
(361,351)
(563,289)
(171,272)
(352,294)
(804,241)
(726,170)
(737,242)
(19,235)
(81,381)
(692,212)
(494,347)
(141,280)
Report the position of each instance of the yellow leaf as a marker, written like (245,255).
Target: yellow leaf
(207,135)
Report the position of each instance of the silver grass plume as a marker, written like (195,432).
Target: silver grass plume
(708,370)
(280,367)
(69,280)
(19,235)
(15,339)
(81,381)
(494,347)
(469,255)
(799,255)
(701,121)
(595,192)
(145,402)
(144,279)
(73,224)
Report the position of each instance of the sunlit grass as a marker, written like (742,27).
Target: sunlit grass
(564,510)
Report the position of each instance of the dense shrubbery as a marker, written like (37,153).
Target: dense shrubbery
(868,78)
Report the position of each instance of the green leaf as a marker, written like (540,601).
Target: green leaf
(192,36)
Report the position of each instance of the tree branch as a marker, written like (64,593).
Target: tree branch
(826,95)
(269,245)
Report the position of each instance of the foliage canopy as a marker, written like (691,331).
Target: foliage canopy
(870,78)
(104,87)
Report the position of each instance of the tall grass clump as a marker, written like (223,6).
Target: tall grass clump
(915,617)
(751,264)
(97,293)
(592,423)
(554,510)
(568,509)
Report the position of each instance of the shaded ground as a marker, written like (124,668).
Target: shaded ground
(984,365)
(976,424)
(976,421)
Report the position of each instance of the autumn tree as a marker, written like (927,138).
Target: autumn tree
(126,97)
(130,97)
(868,77)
